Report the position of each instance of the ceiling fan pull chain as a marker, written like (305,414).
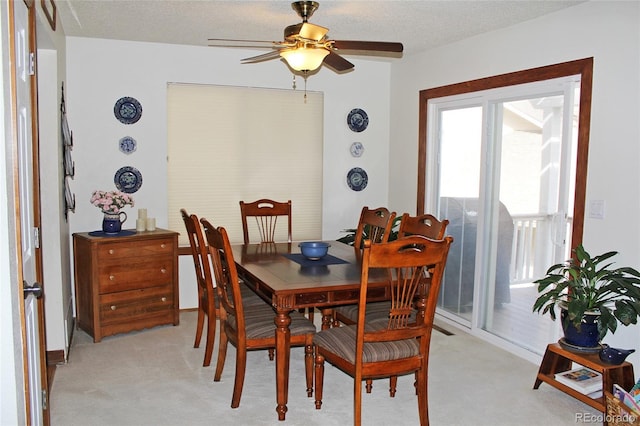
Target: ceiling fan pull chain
(294,82)
(305,86)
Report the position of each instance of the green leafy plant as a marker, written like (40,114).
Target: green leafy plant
(350,236)
(584,285)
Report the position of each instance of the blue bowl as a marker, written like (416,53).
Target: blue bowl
(314,250)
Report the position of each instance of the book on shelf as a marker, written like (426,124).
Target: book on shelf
(582,379)
(626,398)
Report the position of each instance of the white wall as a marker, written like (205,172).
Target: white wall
(57,281)
(99,72)
(607,31)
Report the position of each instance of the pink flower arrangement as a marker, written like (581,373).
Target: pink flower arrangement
(111,202)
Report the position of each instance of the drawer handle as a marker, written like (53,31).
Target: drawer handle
(164,299)
(110,251)
(162,245)
(163,270)
(112,277)
(113,307)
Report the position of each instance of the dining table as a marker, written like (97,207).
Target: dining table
(288,281)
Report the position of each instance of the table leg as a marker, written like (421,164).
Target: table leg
(283,347)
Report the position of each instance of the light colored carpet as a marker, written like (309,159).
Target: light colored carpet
(155,377)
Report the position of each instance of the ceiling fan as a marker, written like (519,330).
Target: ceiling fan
(306,46)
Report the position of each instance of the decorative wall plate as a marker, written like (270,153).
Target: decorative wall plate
(357,119)
(128,179)
(127,110)
(128,144)
(357,179)
(356,149)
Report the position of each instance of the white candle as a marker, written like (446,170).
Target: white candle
(142,214)
(151,224)
(141,225)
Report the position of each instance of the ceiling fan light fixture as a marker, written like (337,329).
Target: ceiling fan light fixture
(304,58)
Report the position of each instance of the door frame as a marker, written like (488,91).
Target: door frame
(583,67)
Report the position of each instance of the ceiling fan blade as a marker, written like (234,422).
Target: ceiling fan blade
(260,58)
(337,62)
(372,46)
(259,44)
(313,32)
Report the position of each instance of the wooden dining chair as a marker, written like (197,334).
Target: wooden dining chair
(397,345)
(206,293)
(248,328)
(266,214)
(426,225)
(374,225)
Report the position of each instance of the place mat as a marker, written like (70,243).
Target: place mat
(123,233)
(327,260)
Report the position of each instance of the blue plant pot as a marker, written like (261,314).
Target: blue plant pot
(586,335)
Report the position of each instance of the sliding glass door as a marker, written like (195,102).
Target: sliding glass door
(503,166)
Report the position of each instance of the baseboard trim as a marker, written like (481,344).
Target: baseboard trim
(55,357)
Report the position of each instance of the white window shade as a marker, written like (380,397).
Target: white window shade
(227,144)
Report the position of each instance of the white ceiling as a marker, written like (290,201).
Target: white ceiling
(419,25)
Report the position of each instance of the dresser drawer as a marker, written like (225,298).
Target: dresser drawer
(115,251)
(130,275)
(127,306)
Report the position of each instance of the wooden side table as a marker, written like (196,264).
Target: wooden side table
(556,360)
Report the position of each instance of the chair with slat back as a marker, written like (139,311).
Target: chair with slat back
(248,329)
(396,345)
(206,294)
(374,225)
(266,213)
(426,225)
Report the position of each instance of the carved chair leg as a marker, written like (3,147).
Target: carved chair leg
(319,379)
(393,383)
(272,352)
(369,385)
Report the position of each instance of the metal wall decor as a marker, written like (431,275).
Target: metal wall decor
(68,163)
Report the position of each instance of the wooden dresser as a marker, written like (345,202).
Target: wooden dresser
(126,283)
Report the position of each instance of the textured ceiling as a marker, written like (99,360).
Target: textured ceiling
(419,25)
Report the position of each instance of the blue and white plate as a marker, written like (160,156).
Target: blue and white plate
(356,149)
(357,120)
(128,179)
(357,179)
(128,144)
(127,110)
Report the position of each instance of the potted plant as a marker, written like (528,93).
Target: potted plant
(592,296)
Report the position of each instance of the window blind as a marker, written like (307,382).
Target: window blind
(227,144)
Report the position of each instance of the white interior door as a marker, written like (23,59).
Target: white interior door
(23,68)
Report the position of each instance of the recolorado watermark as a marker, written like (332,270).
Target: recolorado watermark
(608,418)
